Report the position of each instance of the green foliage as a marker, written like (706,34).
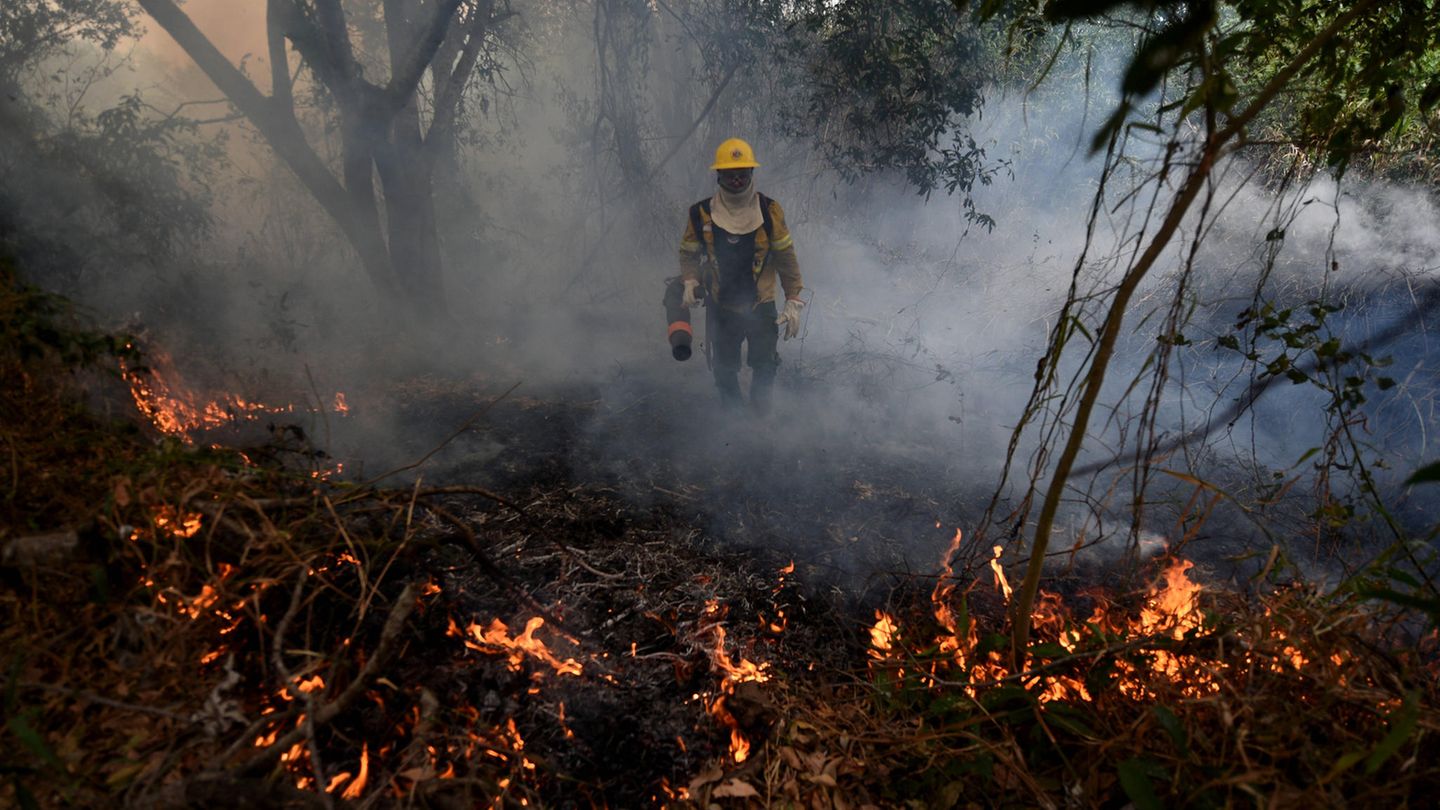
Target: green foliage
(33,29)
(1372,82)
(142,172)
(38,326)
(889,86)
(1304,352)
(123,188)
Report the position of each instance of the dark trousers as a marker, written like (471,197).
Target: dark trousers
(726,329)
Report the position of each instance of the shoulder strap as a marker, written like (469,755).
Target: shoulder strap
(697,226)
(704,205)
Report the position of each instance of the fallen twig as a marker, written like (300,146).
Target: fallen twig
(389,635)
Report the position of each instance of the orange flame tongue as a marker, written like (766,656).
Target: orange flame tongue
(745,671)
(1175,608)
(496,638)
(176,409)
(358,786)
(1000,581)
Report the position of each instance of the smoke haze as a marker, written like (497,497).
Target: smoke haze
(919,343)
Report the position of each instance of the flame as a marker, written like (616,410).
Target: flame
(671,792)
(739,746)
(1001,583)
(1170,610)
(307,685)
(176,409)
(733,674)
(358,786)
(496,638)
(569,735)
(882,635)
(196,606)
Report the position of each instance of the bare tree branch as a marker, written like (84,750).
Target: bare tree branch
(282,133)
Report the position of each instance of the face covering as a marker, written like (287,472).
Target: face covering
(737,212)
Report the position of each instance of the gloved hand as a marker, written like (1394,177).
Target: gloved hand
(791,317)
(689,301)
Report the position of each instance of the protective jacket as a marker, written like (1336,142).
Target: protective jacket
(774,253)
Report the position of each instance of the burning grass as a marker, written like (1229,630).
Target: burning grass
(1184,697)
(188,626)
(230,630)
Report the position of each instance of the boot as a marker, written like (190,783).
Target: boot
(729,388)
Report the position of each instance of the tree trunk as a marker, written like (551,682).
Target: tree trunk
(379,126)
(406,179)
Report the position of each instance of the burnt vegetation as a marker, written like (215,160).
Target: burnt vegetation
(303,507)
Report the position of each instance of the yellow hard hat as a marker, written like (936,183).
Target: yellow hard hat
(734,154)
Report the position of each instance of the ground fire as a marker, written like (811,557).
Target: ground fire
(176,409)
(460,685)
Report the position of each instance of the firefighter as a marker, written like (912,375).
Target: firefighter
(735,248)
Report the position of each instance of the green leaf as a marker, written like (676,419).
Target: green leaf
(1005,698)
(1048,649)
(1402,577)
(25,797)
(1344,763)
(1172,726)
(1135,779)
(1112,126)
(1431,606)
(21,728)
(1428,474)
(1070,719)
(1402,724)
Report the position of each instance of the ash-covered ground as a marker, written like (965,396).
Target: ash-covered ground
(852,510)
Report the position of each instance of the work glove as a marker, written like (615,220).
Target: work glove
(689,301)
(791,317)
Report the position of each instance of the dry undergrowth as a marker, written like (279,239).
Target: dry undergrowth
(192,627)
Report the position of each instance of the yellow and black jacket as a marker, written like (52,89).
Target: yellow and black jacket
(774,253)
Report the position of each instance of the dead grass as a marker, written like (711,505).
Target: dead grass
(224,628)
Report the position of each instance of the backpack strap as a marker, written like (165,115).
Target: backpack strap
(704,205)
(697,226)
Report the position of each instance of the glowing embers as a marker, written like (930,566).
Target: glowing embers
(496,639)
(176,409)
(177,524)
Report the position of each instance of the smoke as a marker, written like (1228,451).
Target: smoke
(896,406)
